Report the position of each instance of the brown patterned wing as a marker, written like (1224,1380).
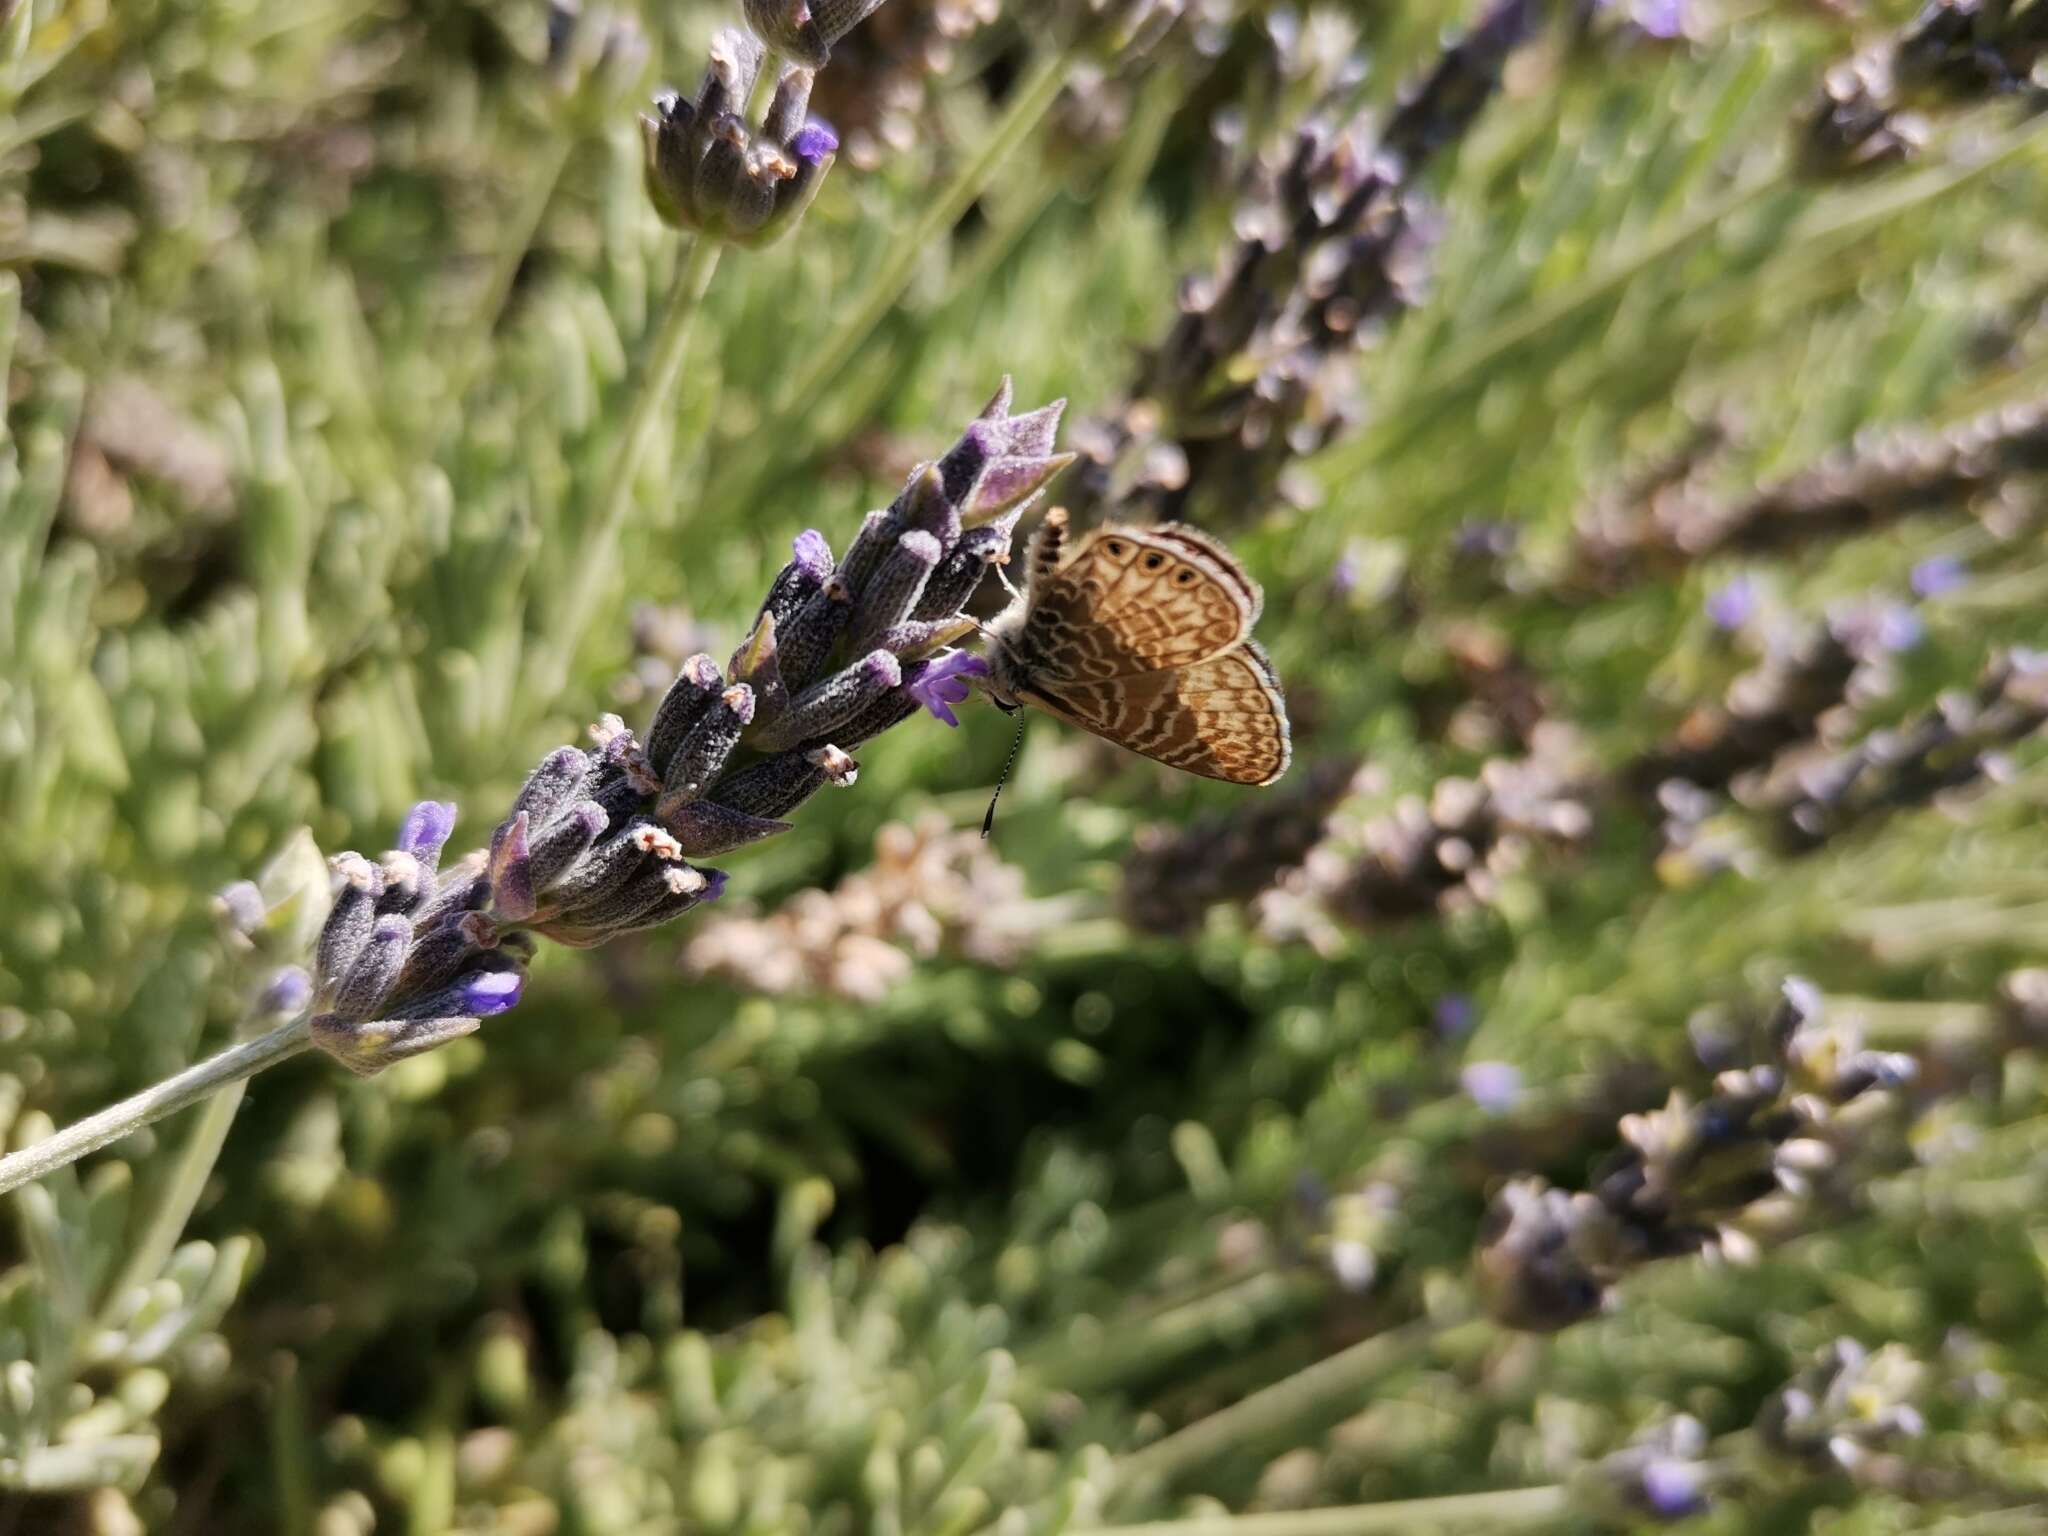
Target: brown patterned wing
(1222,718)
(1129,601)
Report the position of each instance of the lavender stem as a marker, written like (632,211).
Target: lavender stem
(174,1093)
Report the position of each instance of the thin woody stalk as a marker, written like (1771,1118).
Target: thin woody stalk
(188,1087)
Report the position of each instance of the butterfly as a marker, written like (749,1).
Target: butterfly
(1144,636)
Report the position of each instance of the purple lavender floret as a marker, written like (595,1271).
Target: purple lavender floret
(1734,604)
(1661,18)
(426,828)
(1938,576)
(1454,1015)
(1495,1086)
(290,990)
(1673,1489)
(814,142)
(813,554)
(487,993)
(942,683)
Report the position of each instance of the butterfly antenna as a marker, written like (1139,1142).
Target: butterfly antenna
(988,822)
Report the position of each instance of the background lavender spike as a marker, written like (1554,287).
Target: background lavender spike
(1259,369)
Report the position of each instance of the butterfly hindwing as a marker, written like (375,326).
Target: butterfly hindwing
(1221,718)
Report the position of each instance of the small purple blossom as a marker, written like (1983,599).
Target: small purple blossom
(1673,1489)
(290,990)
(242,905)
(1660,18)
(814,141)
(1896,628)
(714,884)
(1938,575)
(425,828)
(1734,604)
(1495,1086)
(485,993)
(942,683)
(811,551)
(1345,573)
(1454,1015)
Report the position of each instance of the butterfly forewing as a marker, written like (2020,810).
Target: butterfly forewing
(1130,601)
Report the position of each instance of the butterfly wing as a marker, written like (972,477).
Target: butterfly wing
(1222,717)
(1129,601)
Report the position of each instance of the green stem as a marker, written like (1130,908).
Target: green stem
(1338,1380)
(1508,1510)
(179,1197)
(593,561)
(1149,1344)
(203,1080)
(1032,100)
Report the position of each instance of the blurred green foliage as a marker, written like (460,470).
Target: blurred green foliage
(318,323)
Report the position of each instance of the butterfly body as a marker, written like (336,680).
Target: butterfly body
(1143,636)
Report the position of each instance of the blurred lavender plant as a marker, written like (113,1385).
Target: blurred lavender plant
(1437,855)
(1780,1146)
(880,98)
(1872,110)
(1668,520)
(1173,875)
(930,890)
(1259,370)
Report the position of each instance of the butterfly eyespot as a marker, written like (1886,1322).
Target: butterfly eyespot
(1154,561)
(1115,547)
(1185,577)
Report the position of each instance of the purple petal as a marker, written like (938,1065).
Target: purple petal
(425,828)
(485,993)
(1662,18)
(814,141)
(943,682)
(1455,1014)
(1673,1488)
(1898,628)
(242,905)
(813,554)
(1734,605)
(1939,575)
(289,991)
(714,884)
(1494,1086)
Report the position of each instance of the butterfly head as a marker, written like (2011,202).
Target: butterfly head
(1008,672)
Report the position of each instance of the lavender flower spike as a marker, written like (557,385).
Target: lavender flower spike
(601,842)
(941,683)
(709,170)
